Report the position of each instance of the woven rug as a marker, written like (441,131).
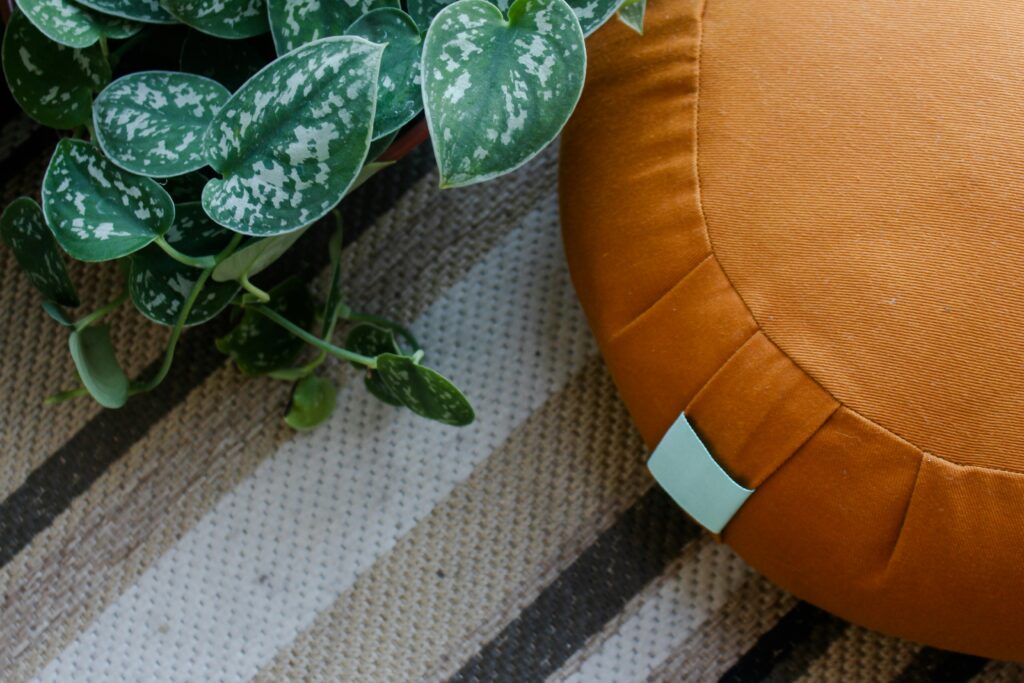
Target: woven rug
(191,536)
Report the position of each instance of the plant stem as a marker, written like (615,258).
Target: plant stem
(66,395)
(104,48)
(193,261)
(88,127)
(312,339)
(101,312)
(116,55)
(260,295)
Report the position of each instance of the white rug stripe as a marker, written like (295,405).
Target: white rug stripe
(661,618)
(255,571)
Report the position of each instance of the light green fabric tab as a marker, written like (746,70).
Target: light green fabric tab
(689,474)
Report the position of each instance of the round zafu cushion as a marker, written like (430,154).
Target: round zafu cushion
(802,223)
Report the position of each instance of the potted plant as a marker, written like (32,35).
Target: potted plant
(197,178)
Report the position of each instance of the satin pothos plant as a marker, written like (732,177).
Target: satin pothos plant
(199,178)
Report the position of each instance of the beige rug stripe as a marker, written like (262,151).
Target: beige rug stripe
(861,655)
(168,480)
(487,550)
(709,653)
(1000,672)
(35,351)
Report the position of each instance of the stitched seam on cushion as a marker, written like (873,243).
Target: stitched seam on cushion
(719,370)
(707,234)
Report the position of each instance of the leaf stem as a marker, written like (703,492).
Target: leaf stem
(193,261)
(65,395)
(104,48)
(313,340)
(260,295)
(101,312)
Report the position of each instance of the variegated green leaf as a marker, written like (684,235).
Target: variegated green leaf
(223,18)
(372,341)
(73,25)
(398,86)
(496,92)
(632,14)
(292,140)
(424,391)
(98,211)
(53,83)
(23,229)
(255,256)
(258,345)
(592,14)
(297,22)
(147,11)
(152,122)
(424,11)
(203,54)
(97,366)
(313,402)
(159,285)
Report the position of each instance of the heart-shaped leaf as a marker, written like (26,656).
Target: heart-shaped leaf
(159,285)
(631,13)
(53,83)
(98,211)
(312,403)
(203,54)
(297,22)
(22,227)
(293,138)
(185,188)
(592,14)
(424,391)
(222,18)
(497,92)
(424,11)
(147,11)
(372,341)
(73,25)
(258,345)
(399,97)
(97,365)
(152,123)
(255,256)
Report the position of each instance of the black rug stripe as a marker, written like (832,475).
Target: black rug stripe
(784,651)
(930,665)
(587,595)
(67,473)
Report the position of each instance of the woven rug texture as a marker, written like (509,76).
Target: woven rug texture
(192,537)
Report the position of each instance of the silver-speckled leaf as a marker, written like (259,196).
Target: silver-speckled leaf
(152,122)
(159,285)
(98,211)
(424,391)
(632,14)
(53,83)
(203,54)
(293,138)
(73,25)
(223,18)
(255,255)
(496,92)
(97,366)
(371,340)
(399,97)
(23,229)
(424,11)
(297,22)
(146,11)
(594,13)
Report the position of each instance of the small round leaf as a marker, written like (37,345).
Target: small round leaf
(496,92)
(424,391)
(22,227)
(73,25)
(53,83)
(96,210)
(203,54)
(152,122)
(259,346)
(399,97)
(297,22)
(97,365)
(372,341)
(159,285)
(292,140)
(312,403)
(222,18)
(146,11)
(631,13)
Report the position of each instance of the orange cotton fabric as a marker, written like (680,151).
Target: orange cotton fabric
(802,222)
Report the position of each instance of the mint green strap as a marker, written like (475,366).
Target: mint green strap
(689,474)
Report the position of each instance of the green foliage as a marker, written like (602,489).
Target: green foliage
(196,190)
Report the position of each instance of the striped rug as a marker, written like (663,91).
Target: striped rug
(191,537)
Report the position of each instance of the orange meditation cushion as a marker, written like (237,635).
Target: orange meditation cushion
(800,223)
